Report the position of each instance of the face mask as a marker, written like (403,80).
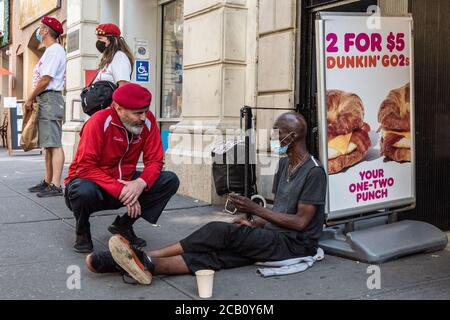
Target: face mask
(275,146)
(101,46)
(38,35)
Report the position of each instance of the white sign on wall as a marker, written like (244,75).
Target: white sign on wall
(10,102)
(141,50)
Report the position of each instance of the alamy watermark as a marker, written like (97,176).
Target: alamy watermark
(374,280)
(374,21)
(73,282)
(197,145)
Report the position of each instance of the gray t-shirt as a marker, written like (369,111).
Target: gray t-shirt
(307,185)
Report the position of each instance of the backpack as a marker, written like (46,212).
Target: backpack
(97,96)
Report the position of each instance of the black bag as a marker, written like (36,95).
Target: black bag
(229,168)
(97,96)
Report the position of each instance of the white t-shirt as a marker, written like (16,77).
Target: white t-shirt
(118,70)
(52,64)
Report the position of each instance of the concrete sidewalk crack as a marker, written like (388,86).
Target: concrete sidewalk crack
(24,264)
(409,286)
(189,208)
(34,201)
(92,216)
(192,297)
(62,219)
(33,221)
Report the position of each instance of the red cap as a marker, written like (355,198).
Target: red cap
(132,96)
(108,29)
(53,24)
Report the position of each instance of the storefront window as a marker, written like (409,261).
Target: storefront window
(172,64)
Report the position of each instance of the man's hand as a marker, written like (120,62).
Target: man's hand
(243,222)
(28,105)
(134,211)
(132,191)
(243,204)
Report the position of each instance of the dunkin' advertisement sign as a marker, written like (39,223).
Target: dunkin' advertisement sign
(366,112)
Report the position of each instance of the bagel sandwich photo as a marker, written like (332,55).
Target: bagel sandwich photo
(348,134)
(394,117)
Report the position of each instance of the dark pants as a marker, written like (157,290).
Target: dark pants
(84,197)
(221,245)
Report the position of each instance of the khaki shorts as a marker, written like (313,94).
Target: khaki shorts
(51,113)
(50,133)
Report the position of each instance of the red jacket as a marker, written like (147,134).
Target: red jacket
(105,152)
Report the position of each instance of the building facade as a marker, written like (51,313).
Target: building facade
(207,58)
(24,50)
(204,60)
(19,48)
(5,41)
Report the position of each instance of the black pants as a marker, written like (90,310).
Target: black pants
(221,245)
(84,197)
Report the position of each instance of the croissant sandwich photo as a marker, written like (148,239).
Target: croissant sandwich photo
(394,117)
(348,134)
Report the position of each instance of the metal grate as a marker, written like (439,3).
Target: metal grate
(432,70)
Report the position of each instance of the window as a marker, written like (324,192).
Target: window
(5,17)
(172,60)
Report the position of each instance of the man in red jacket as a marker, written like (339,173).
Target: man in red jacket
(103,174)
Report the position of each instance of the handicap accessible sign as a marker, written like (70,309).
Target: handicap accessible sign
(142,71)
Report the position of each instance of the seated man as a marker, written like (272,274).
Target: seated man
(290,230)
(103,174)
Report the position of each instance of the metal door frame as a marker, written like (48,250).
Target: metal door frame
(305,81)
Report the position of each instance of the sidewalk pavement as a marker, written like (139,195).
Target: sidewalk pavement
(36,238)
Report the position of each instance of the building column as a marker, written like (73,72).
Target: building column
(82,18)
(276,78)
(219,79)
(393,8)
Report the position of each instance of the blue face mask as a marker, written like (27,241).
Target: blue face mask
(38,35)
(275,146)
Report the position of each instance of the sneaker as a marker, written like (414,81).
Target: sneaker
(127,232)
(39,187)
(83,243)
(102,262)
(51,191)
(134,261)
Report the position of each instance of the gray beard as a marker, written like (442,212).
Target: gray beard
(133,129)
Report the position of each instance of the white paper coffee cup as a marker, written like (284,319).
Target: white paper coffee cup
(205,281)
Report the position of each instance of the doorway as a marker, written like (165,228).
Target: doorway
(306,86)
(18,79)
(432,83)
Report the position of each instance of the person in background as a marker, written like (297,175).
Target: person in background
(117,61)
(48,85)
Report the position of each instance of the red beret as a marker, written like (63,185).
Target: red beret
(53,24)
(108,29)
(132,96)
